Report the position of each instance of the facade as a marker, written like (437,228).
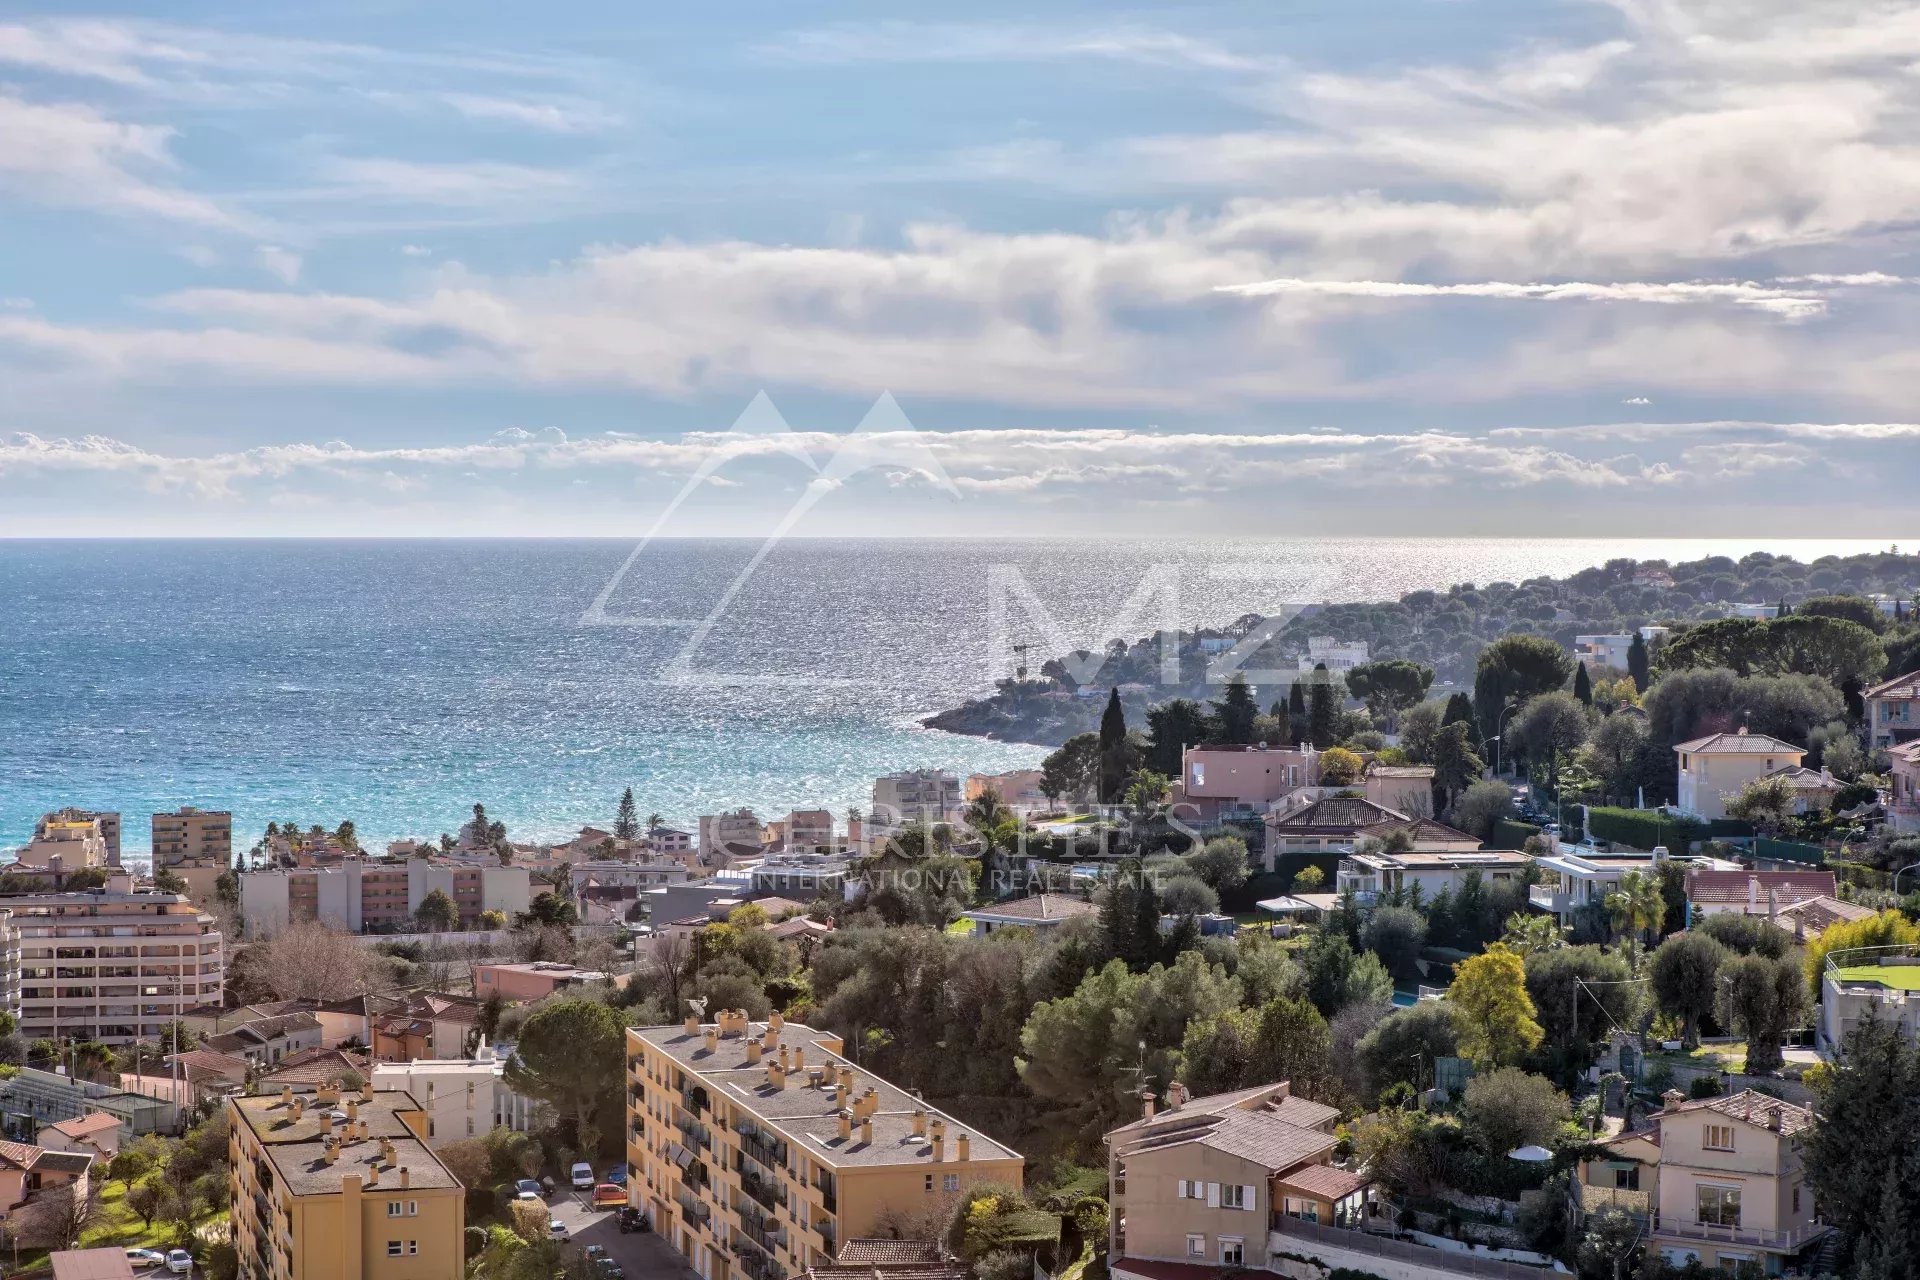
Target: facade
(1370,875)
(360,1197)
(62,845)
(423,1024)
(1219,782)
(757,1148)
(726,837)
(1718,1181)
(1753,893)
(9,963)
(1018,789)
(1407,788)
(1330,825)
(1893,711)
(1337,656)
(27,1171)
(364,895)
(114,967)
(533,981)
(916,796)
(1882,984)
(809,831)
(1720,764)
(462,1097)
(192,837)
(1201,1182)
(97,1134)
(1903,791)
(266,1041)
(1043,913)
(802,877)
(1610,651)
(1579,877)
(108,825)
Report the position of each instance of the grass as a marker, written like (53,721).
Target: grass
(960,928)
(1077,1268)
(120,1227)
(1901,977)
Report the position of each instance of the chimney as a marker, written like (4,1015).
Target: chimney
(386,1150)
(1773,901)
(939,1147)
(693,1024)
(366,1090)
(1753,895)
(799,1059)
(713,1038)
(353,1109)
(1773,1118)
(846,1123)
(919,1122)
(963,1148)
(373,1175)
(1671,1099)
(299,1107)
(1146,1104)
(775,1022)
(326,1124)
(286,1096)
(332,1152)
(776,1074)
(1176,1095)
(846,1080)
(866,1131)
(786,1059)
(406,1179)
(753,1053)
(869,1101)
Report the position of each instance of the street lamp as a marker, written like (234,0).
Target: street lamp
(1500,727)
(1902,871)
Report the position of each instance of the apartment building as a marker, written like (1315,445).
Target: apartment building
(1893,711)
(463,1097)
(107,823)
(727,837)
(916,796)
(192,837)
(802,877)
(115,967)
(1223,781)
(364,895)
(1018,789)
(758,1147)
(62,845)
(341,1186)
(9,963)
(1204,1181)
(1719,1181)
(1337,656)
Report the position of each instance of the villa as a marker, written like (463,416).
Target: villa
(1229,781)
(1885,985)
(1580,877)
(1903,793)
(1429,873)
(1043,913)
(1720,764)
(1893,710)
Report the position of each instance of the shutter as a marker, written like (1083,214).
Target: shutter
(1246,1196)
(1213,1195)
(1181,1194)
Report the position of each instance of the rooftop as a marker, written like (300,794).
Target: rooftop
(1742,743)
(1265,1125)
(1335,815)
(1817,914)
(1439,859)
(1041,906)
(92,1264)
(1420,831)
(1740,887)
(805,1111)
(295,1145)
(1902,686)
(1894,977)
(87,1125)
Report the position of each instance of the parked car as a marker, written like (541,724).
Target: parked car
(582,1175)
(143,1259)
(180,1262)
(608,1195)
(526,1189)
(595,1252)
(617,1175)
(631,1219)
(556,1229)
(609,1269)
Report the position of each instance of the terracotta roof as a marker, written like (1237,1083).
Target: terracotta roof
(314,1066)
(1906,686)
(890,1271)
(1737,888)
(887,1252)
(1324,1181)
(1801,778)
(20,1155)
(92,1264)
(1419,830)
(1906,750)
(1818,914)
(1041,906)
(1336,815)
(1753,1107)
(1754,744)
(82,1126)
(201,1063)
(1253,1124)
(798,926)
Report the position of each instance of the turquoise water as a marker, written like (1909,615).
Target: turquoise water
(397,682)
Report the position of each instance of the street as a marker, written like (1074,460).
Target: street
(643,1255)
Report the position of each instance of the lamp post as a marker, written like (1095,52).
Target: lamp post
(1499,728)
(1902,871)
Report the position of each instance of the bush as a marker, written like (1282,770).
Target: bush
(1704,1087)
(1645,828)
(1004,1264)
(1511,834)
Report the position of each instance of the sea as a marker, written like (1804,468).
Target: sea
(398,683)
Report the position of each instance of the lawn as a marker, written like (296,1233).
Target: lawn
(1900,977)
(120,1227)
(960,928)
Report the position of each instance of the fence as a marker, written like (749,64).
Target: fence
(1811,855)
(1439,1261)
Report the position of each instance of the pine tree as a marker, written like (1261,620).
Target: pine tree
(1113,750)
(1886,1253)
(1639,663)
(1322,709)
(1583,686)
(1118,908)
(1781,611)
(1146,927)
(626,823)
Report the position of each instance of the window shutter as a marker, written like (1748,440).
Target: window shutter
(1246,1196)
(1213,1195)
(1181,1194)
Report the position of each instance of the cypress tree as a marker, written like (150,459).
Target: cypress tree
(1321,709)
(1583,686)
(1283,722)
(1118,909)
(1236,712)
(1297,712)
(1459,710)
(1639,663)
(1146,927)
(1113,750)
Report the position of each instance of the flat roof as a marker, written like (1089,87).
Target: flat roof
(1896,977)
(298,1152)
(807,1117)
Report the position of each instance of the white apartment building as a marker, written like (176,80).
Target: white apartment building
(917,796)
(1611,650)
(463,1098)
(1338,656)
(114,967)
(62,845)
(9,963)
(803,877)
(358,895)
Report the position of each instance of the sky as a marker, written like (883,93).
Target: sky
(1517,267)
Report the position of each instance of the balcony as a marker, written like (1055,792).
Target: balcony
(764,1191)
(1787,1241)
(771,1155)
(1547,898)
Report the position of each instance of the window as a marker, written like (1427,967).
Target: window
(393,1208)
(1233,1196)
(1718,1206)
(1233,1253)
(950,1182)
(929,1182)
(469,1126)
(413,1208)
(393,1248)
(1719,1137)
(1626,1179)
(413,1247)
(1196,1246)
(1796,1197)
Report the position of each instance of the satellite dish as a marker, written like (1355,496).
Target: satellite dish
(1530,1154)
(698,1007)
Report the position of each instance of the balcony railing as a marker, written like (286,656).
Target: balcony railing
(1789,1240)
(1548,898)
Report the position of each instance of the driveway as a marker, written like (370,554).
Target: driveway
(643,1255)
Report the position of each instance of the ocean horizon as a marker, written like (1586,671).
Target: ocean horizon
(396,682)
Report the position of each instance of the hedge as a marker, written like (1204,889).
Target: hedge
(1645,828)
(1509,834)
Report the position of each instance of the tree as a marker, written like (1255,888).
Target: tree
(1684,978)
(1865,1128)
(1459,710)
(1888,1252)
(54,1218)
(1297,721)
(1765,1000)
(626,820)
(1188,895)
(1636,905)
(1482,805)
(571,1053)
(1073,771)
(1831,649)
(1172,727)
(492,918)
(1528,935)
(1403,1045)
(309,961)
(1113,750)
(1326,963)
(1340,767)
(1613,1238)
(1548,729)
(1511,1108)
(1235,713)
(1496,1016)
(1389,687)
(1222,863)
(1639,664)
(1516,668)
(1323,709)
(136,1160)
(143,1198)
(1395,934)
(1766,802)
(436,912)
(1308,879)
(165,879)
(1455,763)
(1581,994)
(1419,728)
(1286,1039)
(1583,686)
(94,878)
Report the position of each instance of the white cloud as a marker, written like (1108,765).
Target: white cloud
(896,41)
(551,117)
(1790,304)
(479,182)
(282,264)
(416,251)
(70,155)
(1636,400)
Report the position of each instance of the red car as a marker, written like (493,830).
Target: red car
(607,1195)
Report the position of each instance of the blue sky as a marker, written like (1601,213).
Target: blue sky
(1452,266)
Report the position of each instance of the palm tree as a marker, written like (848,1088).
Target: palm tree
(1528,933)
(1637,905)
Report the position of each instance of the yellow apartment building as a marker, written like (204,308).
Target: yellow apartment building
(757,1148)
(332,1185)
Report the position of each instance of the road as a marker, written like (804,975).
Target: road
(644,1255)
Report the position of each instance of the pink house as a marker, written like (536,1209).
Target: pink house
(1220,781)
(1903,795)
(535,981)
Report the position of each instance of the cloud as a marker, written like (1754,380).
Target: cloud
(72,156)
(471,183)
(550,117)
(913,42)
(282,264)
(1636,400)
(1790,304)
